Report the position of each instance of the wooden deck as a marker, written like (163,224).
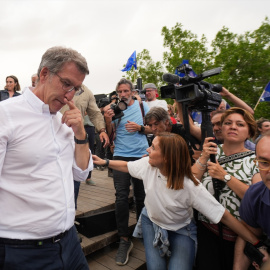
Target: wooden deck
(100,250)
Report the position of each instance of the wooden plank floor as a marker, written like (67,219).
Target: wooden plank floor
(100,250)
(105,259)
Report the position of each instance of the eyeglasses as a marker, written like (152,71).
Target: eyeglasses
(67,87)
(149,90)
(262,164)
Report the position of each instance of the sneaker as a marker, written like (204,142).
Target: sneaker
(124,249)
(90,182)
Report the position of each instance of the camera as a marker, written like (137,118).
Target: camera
(199,95)
(103,102)
(118,107)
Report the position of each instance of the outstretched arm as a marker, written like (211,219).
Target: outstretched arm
(118,165)
(237,102)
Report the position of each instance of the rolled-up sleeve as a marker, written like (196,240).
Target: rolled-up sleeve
(78,173)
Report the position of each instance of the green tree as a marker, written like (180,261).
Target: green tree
(244,59)
(245,62)
(182,44)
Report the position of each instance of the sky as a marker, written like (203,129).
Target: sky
(107,32)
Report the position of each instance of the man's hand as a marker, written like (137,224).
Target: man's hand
(132,126)
(108,113)
(104,138)
(73,119)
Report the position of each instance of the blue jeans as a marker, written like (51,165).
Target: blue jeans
(66,254)
(182,246)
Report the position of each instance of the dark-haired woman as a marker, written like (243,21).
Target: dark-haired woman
(171,194)
(236,170)
(11,88)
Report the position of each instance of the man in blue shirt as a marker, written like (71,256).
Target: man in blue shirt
(255,206)
(130,144)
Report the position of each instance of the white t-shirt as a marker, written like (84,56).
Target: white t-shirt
(158,103)
(173,209)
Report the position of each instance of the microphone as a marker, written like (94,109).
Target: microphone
(171,78)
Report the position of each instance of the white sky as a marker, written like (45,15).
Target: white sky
(106,32)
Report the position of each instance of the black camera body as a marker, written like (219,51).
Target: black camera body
(198,94)
(118,107)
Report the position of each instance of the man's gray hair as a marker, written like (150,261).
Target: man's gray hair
(157,113)
(55,57)
(124,81)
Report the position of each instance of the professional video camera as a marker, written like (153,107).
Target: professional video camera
(199,95)
(195,94)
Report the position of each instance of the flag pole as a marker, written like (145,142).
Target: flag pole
(258,100)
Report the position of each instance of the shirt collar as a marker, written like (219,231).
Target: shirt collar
(37,104)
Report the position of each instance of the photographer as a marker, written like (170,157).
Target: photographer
(255,206)
(129,146)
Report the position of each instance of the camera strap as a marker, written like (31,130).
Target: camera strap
(233,157)
(142,111)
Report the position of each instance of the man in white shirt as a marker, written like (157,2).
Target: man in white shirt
(151,94)
(41,152)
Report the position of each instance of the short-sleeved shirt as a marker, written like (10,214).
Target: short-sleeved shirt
(130,144)
(255,207)
(173,209)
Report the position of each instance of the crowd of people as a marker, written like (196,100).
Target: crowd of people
(200,202)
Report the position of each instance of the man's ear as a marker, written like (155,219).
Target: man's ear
(44,74)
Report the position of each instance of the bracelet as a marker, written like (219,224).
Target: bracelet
(107,162)
(258,244)
(199,167)
(202,165)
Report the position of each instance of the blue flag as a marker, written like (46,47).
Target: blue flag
(266,93)
(131,62)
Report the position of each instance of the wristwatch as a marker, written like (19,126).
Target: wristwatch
(142,129)
(227,178)
(81,141)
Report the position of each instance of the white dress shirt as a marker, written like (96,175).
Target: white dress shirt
(37,168)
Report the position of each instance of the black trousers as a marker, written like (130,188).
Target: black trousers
(65,254)
(122,183)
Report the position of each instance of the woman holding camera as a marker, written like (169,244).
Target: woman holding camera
(171,194)
(236,170)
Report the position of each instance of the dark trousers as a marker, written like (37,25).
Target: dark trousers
(122,183)
(63,255)
(91,139)
(210,255)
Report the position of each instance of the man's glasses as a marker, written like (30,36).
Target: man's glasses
(262,164)
(67,87)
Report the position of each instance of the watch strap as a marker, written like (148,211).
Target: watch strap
(81,141)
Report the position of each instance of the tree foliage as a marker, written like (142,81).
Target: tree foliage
(244,59)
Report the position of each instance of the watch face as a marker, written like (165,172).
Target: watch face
(227,177)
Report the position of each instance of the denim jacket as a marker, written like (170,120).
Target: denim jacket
(5,95)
